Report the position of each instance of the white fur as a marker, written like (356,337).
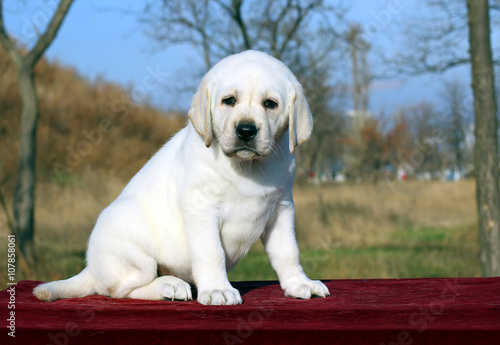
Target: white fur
(198,205)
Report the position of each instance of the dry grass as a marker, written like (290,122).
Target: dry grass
(354,214)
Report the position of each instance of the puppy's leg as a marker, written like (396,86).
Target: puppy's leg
(165,287)
(208,261)
(283,251)
(120,257)
(123,272)
(133,275)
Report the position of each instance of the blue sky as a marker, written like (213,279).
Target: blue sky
(99,42)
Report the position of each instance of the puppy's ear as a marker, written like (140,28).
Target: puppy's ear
(200,112)
(300,120)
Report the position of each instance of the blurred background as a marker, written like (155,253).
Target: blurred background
(384,188)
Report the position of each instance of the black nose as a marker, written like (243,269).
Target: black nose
(246,131)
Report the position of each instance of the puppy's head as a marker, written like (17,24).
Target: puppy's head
(247,102)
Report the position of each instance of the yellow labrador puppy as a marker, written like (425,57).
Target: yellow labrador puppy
(216,187)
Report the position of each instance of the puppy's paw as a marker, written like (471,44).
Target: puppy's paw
(228,296)
(306,289)
(42,292)
(173,288)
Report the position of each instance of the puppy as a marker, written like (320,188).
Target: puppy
(199,204)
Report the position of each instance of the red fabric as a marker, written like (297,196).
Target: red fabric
(407,311)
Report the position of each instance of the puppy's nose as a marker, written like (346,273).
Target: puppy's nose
(246,131)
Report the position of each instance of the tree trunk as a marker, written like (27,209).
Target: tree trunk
(24,196)
(315,155)
(486,125)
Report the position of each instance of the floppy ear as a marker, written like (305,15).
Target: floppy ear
(300,120)
(200,112)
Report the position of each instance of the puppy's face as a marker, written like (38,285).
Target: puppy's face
(247,102)
(250,111)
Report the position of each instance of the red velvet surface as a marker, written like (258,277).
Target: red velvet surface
(406,311)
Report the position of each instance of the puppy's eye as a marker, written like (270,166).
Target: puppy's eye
(229,101)
(270,104)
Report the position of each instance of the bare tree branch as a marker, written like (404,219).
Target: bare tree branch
(275,27)
(222,27)
(433,43)
(48,36)
(234,12)
(302,13)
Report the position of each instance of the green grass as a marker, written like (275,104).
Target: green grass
(408,253)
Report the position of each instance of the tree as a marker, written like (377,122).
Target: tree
(436,41)
(454,94)
(24,195)
(217,28)
(365,142)
(324,145)
(361,76)
(397,144)
(436,44)
(371,152)
(486,133)
(425,125)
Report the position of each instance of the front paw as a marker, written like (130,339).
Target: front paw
(306,289)
(227,296)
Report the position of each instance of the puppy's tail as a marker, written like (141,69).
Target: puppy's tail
(80,285)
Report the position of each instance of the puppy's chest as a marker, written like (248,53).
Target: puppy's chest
(245,217)
(241,224)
